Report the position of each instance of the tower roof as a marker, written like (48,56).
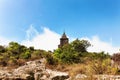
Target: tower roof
(64,35)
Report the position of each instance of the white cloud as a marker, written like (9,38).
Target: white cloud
(98,45)
(4,41)
(48,40)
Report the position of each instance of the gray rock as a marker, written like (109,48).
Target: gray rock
(80,76)
(33,70)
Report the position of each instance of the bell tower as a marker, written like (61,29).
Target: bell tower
(63,40)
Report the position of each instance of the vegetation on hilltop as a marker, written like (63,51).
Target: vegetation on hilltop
(74,55)
(79,60)
(15,54)
(76,52)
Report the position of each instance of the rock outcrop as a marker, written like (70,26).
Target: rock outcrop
(32,70)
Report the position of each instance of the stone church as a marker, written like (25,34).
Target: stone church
(63,40)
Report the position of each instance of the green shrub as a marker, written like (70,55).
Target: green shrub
(50,59)
(12,61)
(26,55)
(67,55)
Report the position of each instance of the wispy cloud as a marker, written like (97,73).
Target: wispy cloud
(31,33)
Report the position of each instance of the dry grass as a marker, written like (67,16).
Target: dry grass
(76,69)
(89,68)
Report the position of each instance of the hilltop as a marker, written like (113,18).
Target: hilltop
(71,59)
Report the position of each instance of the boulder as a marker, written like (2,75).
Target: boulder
(57,75)
(80,76)
(33,70)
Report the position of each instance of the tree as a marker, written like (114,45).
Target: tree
(67,55)
(31,48)
(2,49)
(14,47)
(72,53)
(80,45)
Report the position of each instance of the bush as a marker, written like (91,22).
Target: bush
(12,61)
(2,49)
(36,54)
(50,59)
(26,55)
(116,57)
(67,55)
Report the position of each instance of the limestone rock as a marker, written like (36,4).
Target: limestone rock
(33,70)
(80,76)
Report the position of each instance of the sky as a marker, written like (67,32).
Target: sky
(40,23)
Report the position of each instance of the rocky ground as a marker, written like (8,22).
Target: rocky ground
(32,70)
(36,70)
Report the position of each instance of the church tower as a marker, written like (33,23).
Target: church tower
(63,40)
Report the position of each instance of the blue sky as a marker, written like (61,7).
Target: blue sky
(79,18)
